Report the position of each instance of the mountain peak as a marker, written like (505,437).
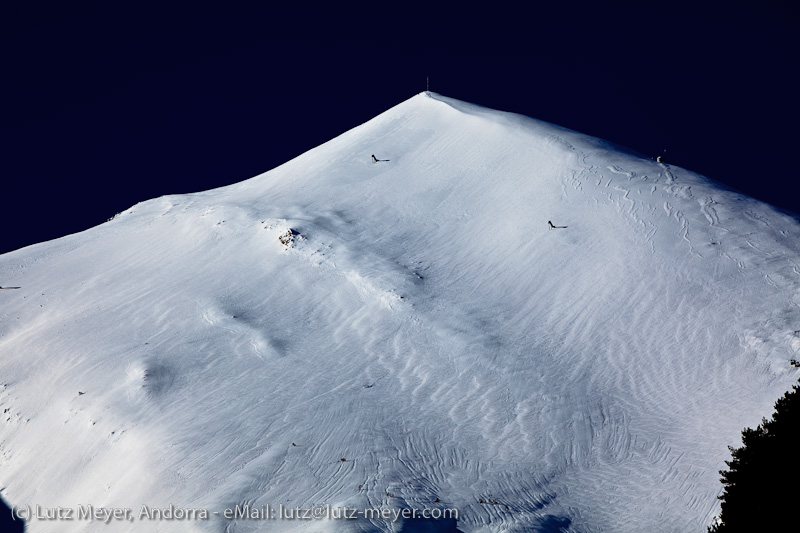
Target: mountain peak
(447,306)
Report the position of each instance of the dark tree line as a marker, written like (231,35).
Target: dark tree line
(759,491)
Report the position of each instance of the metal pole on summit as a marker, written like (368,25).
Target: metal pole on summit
(427,84)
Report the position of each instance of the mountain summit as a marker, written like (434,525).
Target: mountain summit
(499,316)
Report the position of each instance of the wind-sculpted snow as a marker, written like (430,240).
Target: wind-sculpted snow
(406,334)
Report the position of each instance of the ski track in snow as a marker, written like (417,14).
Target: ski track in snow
(422,336)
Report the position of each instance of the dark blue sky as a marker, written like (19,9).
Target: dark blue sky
(105,106)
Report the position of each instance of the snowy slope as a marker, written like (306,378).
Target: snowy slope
(425,326)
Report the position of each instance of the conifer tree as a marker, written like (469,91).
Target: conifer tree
(759,492)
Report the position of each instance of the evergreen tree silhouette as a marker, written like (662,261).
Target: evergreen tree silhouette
(759,492)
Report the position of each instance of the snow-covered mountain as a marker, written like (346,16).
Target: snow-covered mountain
(404,334)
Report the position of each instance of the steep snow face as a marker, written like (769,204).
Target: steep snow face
(420,339)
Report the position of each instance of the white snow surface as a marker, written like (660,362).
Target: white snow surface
(425,326)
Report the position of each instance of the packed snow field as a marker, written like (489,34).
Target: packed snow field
(420,339)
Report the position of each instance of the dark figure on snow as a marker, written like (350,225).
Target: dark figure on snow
(551,225)
(376,160)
